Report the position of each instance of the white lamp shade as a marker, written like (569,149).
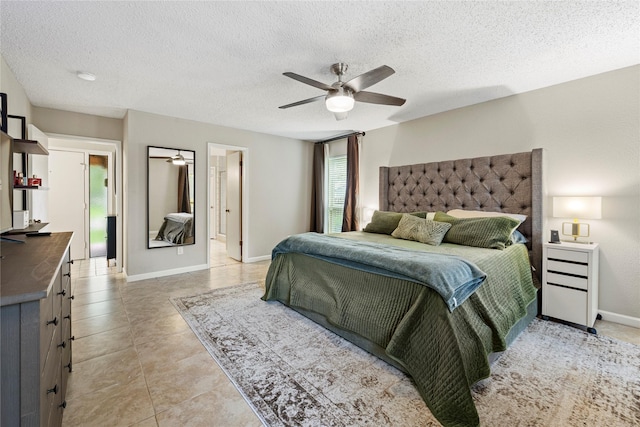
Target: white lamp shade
(339,101)
(577,207)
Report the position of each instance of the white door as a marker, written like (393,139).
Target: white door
(67,207)
(234,205)
(213,204)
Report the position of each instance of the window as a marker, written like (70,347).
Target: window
(336,190)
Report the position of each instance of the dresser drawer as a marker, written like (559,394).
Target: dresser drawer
(48,321)
(566,304)
(50,400)
(569,268)
(568,255)
(50,387)
(564,280)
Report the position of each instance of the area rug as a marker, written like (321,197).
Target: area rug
(296,373)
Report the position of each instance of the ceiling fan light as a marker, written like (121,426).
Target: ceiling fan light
(339,101)
(178,160)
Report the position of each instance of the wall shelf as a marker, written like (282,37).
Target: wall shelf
(29,187)
(29,146)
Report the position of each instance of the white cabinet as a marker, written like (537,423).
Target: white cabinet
(570,282)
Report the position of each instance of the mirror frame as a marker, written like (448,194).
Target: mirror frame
(169,225)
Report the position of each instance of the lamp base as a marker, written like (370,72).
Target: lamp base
(576,230)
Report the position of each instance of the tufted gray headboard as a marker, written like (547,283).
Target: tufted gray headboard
(505,183)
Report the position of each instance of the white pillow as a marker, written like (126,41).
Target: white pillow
(461,213)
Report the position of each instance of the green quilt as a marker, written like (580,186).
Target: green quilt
(444,352)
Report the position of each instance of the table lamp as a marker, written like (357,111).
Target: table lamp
(577,208)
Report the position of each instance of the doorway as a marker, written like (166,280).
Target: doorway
(99,193)
(227,167)
(98,204)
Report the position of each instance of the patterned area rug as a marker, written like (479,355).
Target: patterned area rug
(294,372)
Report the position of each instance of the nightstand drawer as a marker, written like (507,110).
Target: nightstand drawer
(563,280)
(568,255)
(566,304)
(569,268)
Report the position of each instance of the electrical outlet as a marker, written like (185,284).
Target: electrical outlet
(180,250)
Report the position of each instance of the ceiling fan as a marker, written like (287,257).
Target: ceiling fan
(176,159)
(341,96)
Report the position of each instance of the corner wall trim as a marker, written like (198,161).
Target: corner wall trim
(620,318)
(163,273)
(259,258)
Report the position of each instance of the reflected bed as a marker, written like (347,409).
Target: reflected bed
(177,229)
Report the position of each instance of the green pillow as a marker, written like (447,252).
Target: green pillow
(421,230)
(488,232)
(385,222)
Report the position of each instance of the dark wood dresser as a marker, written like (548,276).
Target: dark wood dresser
(35,347)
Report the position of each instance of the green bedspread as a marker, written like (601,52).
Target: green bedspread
(453,277)
(444,352)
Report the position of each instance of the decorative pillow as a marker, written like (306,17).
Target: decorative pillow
(384,222)
(518,237)
(483,232)
(421,230)
(463,213)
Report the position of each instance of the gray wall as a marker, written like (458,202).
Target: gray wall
(590,131)
(277,181)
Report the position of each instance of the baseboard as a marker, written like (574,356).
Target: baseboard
(259,258)
(620,318)
(163,273)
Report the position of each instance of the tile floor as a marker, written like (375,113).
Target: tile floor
(137,363)
(135,360)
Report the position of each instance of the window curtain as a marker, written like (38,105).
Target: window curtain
(350,216)
(317,188)
(184,200)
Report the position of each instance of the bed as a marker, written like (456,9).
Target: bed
(177,228)
(444,337)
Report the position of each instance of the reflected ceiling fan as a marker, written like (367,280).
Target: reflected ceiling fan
(341,96)
(177,159)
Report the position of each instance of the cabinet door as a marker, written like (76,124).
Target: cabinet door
(566,304)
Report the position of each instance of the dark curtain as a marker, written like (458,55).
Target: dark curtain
(349,216)
(317,189)
(184,200)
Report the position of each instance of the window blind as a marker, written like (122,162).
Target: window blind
(336,190)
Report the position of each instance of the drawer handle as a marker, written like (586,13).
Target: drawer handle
(63,292)
(67,274)
(72,338)
(70,262)
(68,316)
(72,297)
(68,366)
(63,404)
(63,344)
(54,321)
(53,390)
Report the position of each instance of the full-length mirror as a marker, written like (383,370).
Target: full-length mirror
(170,197)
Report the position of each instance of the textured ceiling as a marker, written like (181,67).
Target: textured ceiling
(222,62)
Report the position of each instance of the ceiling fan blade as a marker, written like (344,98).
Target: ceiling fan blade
(304,101)
(341,116)
(378,98)
(308,81)
(369,78)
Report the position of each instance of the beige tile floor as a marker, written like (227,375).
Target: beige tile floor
(137,363)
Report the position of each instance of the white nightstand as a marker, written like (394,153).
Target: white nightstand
(570,282)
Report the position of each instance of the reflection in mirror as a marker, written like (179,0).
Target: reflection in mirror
(170,197)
